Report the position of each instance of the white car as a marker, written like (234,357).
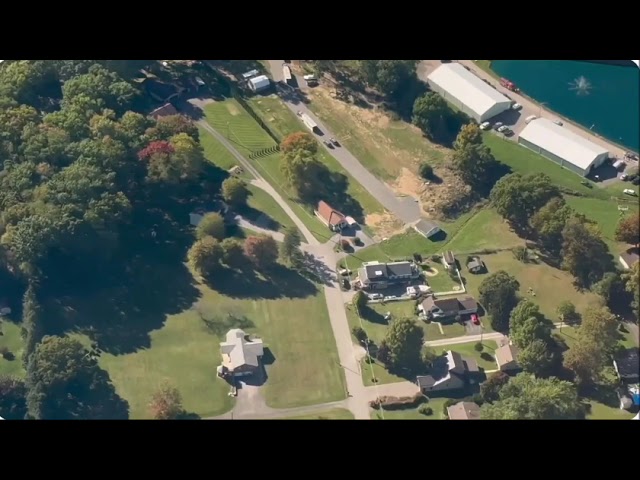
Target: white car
(628,191)
(485,126)
(516,107)
(375,296)
(503,128)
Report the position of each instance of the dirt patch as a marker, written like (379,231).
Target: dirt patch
(432,272)
(408,183)
(448,197)
(384,224)
(233,110)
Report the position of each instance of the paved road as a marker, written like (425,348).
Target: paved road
(279,237)
(406,209)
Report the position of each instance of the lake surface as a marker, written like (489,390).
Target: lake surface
(605,98)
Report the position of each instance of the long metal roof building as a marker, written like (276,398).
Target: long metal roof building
(563,146)
(468,92)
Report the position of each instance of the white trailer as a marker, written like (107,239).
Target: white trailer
(286,73)
(306,119)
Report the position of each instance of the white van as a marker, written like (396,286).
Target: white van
(529,119)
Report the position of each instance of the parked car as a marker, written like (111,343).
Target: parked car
(628,191)
(503,128)
(474,319)
(497,125)
(345,272)
(345,284)
(516,107)
(485,126)
(508,132)
(624,177)
(334,141)
(558,122)
(375,296)
(328,143)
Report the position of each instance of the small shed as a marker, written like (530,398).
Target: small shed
(250,74)
(259,83)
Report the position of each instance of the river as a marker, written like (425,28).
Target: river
(604,98)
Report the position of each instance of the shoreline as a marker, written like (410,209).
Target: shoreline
(598,138)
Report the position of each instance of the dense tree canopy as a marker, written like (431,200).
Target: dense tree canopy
(261,250)
(528,324)
(13,398)
(211,225)
(526,397)
(405,340)
(584,253)
(205,254)
(632,284)
(65,383)
(548,222)
(297,141)
(499,295)
(476,166)
(518,197)
(388,76)
(628,229)
(430,114)
(235,192)
(490,389)
(470,134)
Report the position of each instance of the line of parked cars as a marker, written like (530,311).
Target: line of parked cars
(498,127)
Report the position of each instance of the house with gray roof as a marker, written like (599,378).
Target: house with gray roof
(240,355)
(441,308)
(376,275)
(450,372)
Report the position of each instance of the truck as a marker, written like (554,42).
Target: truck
(508,84)
(307,120)
(286,73)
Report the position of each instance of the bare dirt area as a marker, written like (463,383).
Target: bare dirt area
(384,224)
(447,197)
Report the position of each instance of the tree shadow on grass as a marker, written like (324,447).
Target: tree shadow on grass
(258,218)
(316,270)
(336,194)
(219,325)
(370,315)
(278,282)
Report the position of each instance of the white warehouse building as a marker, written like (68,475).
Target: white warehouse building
(468,92)
(562,146)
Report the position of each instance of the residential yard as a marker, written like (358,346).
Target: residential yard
(485,359)
(376,370)
(600,411)
(439,279)
(335,414)
(261,203)
(436,404)
(215,152)
(301,361)
(484,230)
(567,336)
(12,341)
(384,146)
(551,286)
(373,318)
(284,121)
(449,330)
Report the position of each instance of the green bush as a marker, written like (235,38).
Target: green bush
(426,171)
(478,347)
(425,410)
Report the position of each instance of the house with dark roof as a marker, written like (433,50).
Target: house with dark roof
(164,111)
(426,228)
(629,257)
(331,217)
(476,265)
(450,372)
(241,355)
(627,366)
(376,275)
(464,411)
(438,308)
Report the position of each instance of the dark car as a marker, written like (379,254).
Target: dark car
(328,143)
(335,142)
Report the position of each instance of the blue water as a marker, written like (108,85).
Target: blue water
(609,105)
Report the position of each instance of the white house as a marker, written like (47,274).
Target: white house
(259,83)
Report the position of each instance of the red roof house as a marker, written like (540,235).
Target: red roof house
(330,217)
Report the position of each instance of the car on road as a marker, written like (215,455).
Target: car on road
(485,126)
(502,128)
(558,122)
(375,296)
(628,191)
(311,80)
(516,107)
(497,125)
(328,143)
(624,177)
(335,142)
(474,319)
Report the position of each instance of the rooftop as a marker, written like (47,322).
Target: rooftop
(467,87)
(627,364)
(562,142)
(464,411)
(426,227)
(240,350)
(506,354)
(630,256)
(332,216)
(260,81)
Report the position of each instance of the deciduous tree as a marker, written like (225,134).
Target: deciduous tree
(548,223)
(527,324)
(526,397)
(612,290)
(490,389)
(632,284)
(383,355)
(166,404)
(470,134)
(585,359)
(31,322)
(13,398)
(64,382)
(204,255)
(169,126)
(211,225)
(235,192)
(388,76)
(426,171)
(537,358)
(600,325)
(584,253)
(298,141)
(628,229)
(430,114)
(498,295)
(261,250)
(476,166)
(290,247)
(359,301)
(567,312)
(233,253)
(405,340)
(303,174)
(518,197)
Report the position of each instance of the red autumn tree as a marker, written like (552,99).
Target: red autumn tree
(159,146)
(166,403)
(299,141)
(261,250)
(628,229)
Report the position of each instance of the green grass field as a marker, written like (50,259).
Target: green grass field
(12,341)
(285,122)
(382,145)
(600,411)
(604,212)
(301,364)
(215,152)
(550,285)
(441,281)
(485,230)
(261,201)
(486,362)
(335,414)
(436,404)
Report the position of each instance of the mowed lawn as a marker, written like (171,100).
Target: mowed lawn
(486,359)
(12,341)
(604,212)
(551,286)
(384,146)
(484,230)
(215,152)
(261,201)
(274,112)
(301,364)
(335,414)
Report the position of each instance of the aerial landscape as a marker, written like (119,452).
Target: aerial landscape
(319,240)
